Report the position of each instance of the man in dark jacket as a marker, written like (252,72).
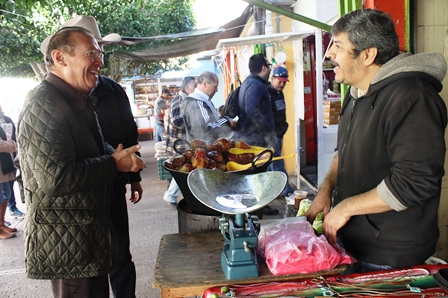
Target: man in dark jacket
(118,127)
(68,169)
(256,120)
(387,172)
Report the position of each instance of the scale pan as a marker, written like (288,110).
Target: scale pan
(213,187)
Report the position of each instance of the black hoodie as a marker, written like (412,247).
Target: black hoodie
(392,139)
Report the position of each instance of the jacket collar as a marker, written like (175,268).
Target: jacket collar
(80,100)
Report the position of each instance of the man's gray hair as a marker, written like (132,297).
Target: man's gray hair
(62,40)
(369,28)
(208,76)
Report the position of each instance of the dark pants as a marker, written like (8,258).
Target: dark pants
(92,287)
(122,275)
(363,267)
(279,165)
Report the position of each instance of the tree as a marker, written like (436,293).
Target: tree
(24,24)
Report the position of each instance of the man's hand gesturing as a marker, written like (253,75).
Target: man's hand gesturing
(126,160)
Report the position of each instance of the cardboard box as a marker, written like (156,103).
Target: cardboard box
(331,121)
(330,116)
(331,103)
(332,110)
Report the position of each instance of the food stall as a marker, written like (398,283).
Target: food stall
(198,270)
(189,263)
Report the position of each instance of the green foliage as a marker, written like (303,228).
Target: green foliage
(25,23)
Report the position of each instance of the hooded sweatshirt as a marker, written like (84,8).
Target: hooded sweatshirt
(392,139)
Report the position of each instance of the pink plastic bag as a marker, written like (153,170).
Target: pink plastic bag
(289,246)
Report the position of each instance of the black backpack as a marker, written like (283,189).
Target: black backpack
(231,107)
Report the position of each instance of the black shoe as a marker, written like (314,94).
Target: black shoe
(268,210)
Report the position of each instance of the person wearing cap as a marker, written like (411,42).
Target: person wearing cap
(275,88)
(159,112)
(68,170)
(118,127)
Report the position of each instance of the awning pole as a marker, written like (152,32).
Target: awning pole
(290,14)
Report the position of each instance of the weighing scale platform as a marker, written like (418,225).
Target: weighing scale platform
(189,264)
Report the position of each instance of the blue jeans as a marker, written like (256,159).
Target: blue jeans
(12,200)
(5,192)
(279,165)
(172,192)
(159,131)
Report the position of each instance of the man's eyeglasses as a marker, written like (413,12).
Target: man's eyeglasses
(93,54)
(269,65)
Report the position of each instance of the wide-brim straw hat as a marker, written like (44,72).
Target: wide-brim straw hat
(86,22)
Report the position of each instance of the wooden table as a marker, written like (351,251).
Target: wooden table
(189,264)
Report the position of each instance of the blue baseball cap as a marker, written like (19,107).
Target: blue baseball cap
(281,74)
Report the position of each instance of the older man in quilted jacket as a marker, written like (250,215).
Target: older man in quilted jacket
(68,171)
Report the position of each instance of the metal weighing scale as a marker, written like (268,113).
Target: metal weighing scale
(235,196)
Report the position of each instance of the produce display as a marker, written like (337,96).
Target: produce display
(317,223)
(211,155)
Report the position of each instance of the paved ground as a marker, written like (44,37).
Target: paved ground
(150,219)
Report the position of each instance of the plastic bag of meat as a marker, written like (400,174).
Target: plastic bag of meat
(290,246)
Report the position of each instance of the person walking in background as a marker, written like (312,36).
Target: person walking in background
(159,113)
(386,175)
(176,131)
(200,116)
(275,88)
(7,148)
(10,129)
(118,127)
(68,170)
(256,119)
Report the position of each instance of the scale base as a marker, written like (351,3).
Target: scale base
(242,270)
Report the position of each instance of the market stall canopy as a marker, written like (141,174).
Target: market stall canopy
(264,39)
(186,43)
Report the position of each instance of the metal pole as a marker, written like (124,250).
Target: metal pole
(290,14)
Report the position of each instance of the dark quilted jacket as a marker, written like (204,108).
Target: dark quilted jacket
(66,177)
